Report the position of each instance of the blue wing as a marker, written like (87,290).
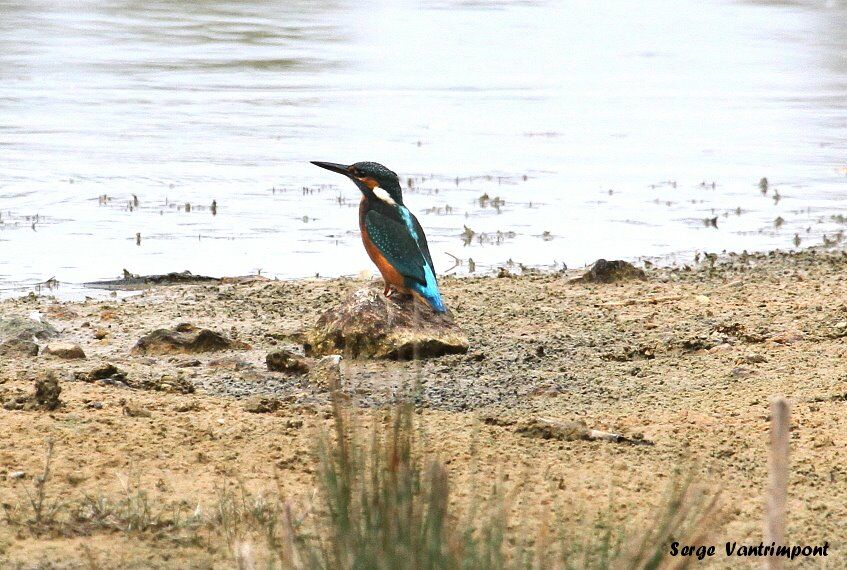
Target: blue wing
(393,240)
(402,241)
(421,238)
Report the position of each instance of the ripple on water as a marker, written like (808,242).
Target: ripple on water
(516,125)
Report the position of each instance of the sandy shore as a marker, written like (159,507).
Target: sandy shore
(688,359)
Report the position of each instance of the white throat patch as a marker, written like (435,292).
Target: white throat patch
(383,195)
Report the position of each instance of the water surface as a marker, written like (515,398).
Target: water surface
(544,133)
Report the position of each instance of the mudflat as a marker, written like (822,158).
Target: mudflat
(682,365)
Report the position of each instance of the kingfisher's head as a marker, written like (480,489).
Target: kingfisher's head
(373,179)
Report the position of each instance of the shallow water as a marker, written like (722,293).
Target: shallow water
(595,130)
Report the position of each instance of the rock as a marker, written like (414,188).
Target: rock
(185,339)
(369,325)
(17,474)
(47,392)
(326,373)
(111,375)
(18,347)
(261,405)
(23,328)
(66,350)
(286,361)
(131,281)
(546,428)
(100,334)
(166,383)
(611,272)
(101,373)
(18,335)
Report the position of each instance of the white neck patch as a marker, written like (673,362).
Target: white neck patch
(383,195)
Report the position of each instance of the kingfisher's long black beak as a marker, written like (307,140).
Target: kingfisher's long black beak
(339,168)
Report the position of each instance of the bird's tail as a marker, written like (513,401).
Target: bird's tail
(436,303)
(430,292)
(432,297)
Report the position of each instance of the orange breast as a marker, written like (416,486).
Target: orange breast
(389,274)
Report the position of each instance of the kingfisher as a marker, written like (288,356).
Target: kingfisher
(393,237)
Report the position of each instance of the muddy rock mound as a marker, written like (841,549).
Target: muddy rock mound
(102,372)
(18,335)
(286,361)
(185,339)
(322,374)
(368,325)
(18,347)
(131,281)
(20,327)
(611,272)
